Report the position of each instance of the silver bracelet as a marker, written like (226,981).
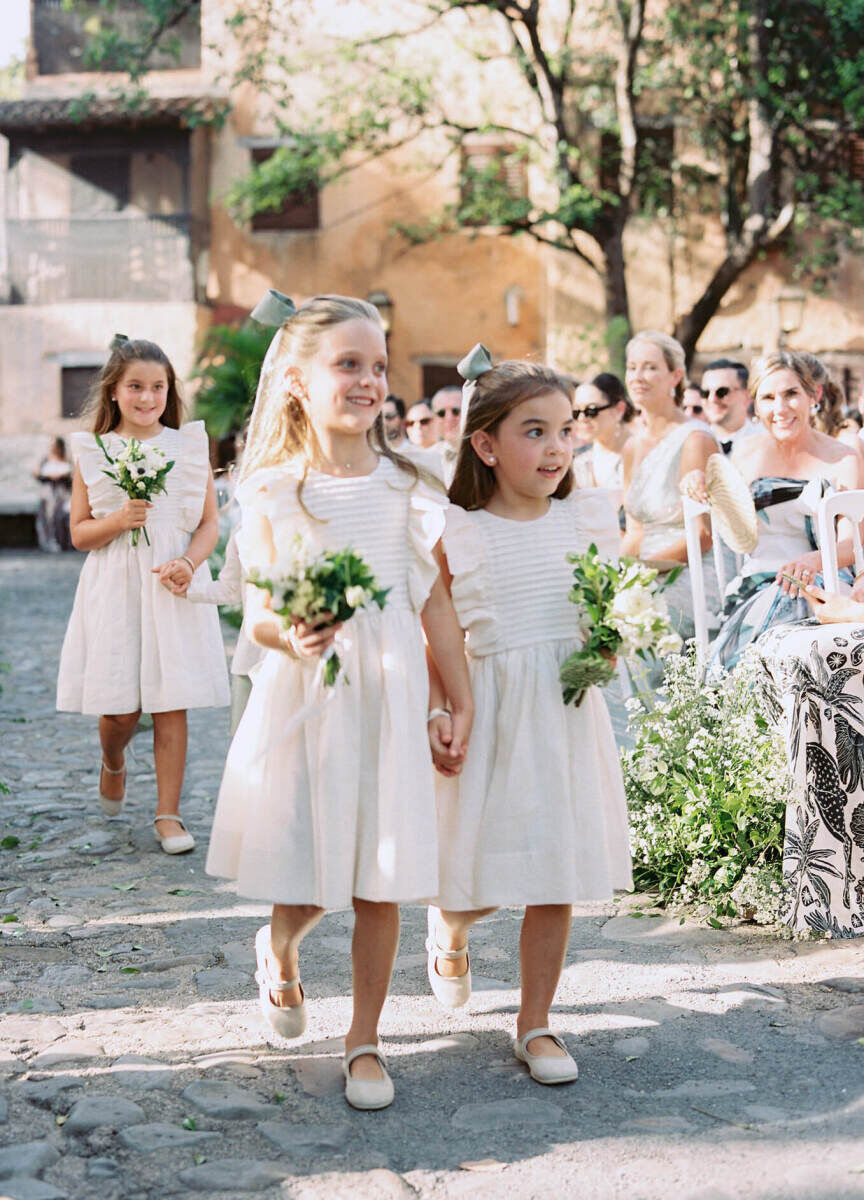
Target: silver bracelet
(185,558)
(438,712)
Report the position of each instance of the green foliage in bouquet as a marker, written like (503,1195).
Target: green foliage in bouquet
(707,784)
(140,471)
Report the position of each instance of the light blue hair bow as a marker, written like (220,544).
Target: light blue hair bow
(274,308)
(475,363)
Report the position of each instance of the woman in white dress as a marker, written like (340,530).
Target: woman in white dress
(603,412)
(132,643)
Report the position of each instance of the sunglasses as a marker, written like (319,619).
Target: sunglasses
(695,408)
(418,421)
(721,393)
(454,412)
(591,410)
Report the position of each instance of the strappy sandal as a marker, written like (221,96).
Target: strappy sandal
(112,808)
(545,1068)
(367,1093)
(287,1022)
(176,843)
(450,992)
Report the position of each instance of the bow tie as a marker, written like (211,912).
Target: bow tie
(726,446)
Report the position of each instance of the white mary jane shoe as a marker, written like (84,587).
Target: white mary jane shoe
(112,808)
(178,843)
(367,1093)
(449,992)
(543,1067)
(287,1022)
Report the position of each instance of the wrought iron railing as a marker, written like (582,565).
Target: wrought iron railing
(109,257)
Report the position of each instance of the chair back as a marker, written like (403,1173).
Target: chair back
(839,504)
(692,512)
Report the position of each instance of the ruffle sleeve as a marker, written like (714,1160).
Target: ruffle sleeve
(425,527)
(471,588)
(193,464)
(267,493)
(103,495)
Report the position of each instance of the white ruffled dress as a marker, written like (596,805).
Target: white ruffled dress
(343,805)
(130,643)
(538,815)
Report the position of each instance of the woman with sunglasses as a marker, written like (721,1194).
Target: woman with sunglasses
(421,425)
(602,411)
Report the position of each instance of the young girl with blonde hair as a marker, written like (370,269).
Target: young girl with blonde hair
(340,809)
(537,817)
(131,645)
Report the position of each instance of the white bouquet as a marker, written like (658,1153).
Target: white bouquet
(623,613)
(140,470)
(305,582)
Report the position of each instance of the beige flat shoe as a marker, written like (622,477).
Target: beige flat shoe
(287,1022)
(449,992)
(178,843)
(367,1093)
(544,1068)
(112,808)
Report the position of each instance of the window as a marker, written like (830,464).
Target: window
(75,384)
(61,32)
(298,211)
(493,182)
(436,376)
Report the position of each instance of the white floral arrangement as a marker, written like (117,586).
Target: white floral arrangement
(305,582)
(623,614)
(140,471)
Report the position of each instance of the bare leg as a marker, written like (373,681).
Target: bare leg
(452,934)
(169,751)
(115,734)
(542,947)
(373,952)
(289,924)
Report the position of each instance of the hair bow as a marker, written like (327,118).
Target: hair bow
(273,308)
(475,363)
(118,340)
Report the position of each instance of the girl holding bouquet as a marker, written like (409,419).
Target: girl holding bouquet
(131,646)
(328,799)
(537,817)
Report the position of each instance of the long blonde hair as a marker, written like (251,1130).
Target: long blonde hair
(780,360)
(670,348)
(279,429)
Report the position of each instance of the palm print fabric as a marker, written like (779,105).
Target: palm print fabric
(818,671)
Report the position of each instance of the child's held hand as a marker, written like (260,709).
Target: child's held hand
(175,575)
(133,514)
(440,742)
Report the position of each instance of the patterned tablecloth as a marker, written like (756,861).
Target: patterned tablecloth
(819,673)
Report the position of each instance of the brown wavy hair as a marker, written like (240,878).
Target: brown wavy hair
(103,413)
(496,393)
(828,413)
(782,360)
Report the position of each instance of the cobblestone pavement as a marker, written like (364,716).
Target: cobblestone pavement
(134,1063)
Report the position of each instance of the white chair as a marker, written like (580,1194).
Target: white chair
(839,504)
(692,512)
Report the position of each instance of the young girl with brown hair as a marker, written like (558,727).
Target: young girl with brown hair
(131,646)
(537,816)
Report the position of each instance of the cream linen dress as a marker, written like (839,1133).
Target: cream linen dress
(130,643)
(344,804)
(538,814)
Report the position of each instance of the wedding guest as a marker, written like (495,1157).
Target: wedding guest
(327,801)
(691,401)
(393,415)
(655,460)
(447,407)
(849,431)
(131,644)
(537,816)
(421,425)
(727,402)
(54,473)
(602,411)
(789,466)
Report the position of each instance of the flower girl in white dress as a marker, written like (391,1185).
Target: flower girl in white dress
(537,816)
(328,795)
(132,644)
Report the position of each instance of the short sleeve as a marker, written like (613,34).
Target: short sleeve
(194,471)
(471,586)
(425,528)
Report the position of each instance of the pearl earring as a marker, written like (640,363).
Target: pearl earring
(491,462)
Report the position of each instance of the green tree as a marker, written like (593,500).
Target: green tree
(768,92)
(228,370)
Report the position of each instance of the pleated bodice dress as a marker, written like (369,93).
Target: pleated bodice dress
(538,815)
(343,804)
(130,643)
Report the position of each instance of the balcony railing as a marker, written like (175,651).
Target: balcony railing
(110,257)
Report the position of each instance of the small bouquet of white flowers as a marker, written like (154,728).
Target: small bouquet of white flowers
(623,613)
(140,470)
(305,582)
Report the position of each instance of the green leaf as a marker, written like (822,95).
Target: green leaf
(178,891)
(189,1123)
(129,971)
(9,842)
(10,919)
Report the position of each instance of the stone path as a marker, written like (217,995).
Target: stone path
(133,1063)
